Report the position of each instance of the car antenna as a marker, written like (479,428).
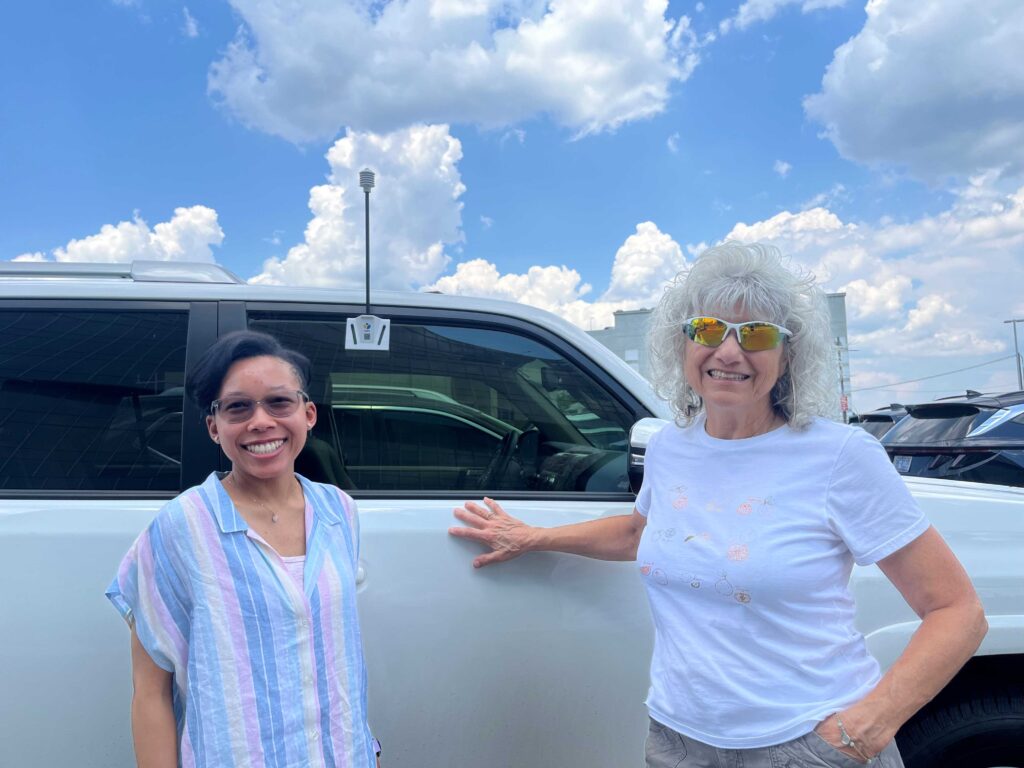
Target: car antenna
(367,331)
(366,179)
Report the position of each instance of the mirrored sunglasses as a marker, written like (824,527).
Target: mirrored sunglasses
(753,335)
(239,409)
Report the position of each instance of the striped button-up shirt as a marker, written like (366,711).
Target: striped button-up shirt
(264,673)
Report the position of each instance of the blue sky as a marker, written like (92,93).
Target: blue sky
(572,155)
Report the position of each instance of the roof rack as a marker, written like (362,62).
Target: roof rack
(138,271)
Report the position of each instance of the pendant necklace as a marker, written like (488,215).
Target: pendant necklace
(257,502)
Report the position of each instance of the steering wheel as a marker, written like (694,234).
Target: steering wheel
(511,446)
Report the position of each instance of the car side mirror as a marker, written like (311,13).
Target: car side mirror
(639,435)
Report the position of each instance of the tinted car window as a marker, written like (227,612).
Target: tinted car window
(91,400)
(1008,428)
(455,408)
(927,428)
(875,427)
(1002,468)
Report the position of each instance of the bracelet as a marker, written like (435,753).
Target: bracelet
(848,741)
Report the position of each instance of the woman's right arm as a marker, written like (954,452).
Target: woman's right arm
(154,729)
(607,538)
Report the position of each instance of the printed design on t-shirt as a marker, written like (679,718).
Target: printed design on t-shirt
(727,590)
(753,503)
(650,569)
(679,498)
(702,536)
(713,506)
(665,534)
(738,552)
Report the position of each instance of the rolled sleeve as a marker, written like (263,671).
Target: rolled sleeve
(149,596)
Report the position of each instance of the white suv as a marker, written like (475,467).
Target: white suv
(540,663)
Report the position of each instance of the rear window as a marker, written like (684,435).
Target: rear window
(944,425)
(91,400)
(934,427)
(876,427)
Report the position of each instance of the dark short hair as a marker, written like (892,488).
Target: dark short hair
(206,377)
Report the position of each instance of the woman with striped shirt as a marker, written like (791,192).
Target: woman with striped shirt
(241,593)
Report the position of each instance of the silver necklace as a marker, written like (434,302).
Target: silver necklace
(254,500)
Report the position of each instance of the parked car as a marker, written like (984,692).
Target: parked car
(879,421)
(972,437)
(541,663)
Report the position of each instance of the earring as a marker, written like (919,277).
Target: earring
(216,440)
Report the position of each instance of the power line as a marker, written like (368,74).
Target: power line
(933,376)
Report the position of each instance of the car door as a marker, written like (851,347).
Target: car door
(93,422)
(541,661)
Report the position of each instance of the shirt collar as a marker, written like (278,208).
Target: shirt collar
(231,522)
(227,516)
(327,513)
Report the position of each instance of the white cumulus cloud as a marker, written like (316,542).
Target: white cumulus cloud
(188,236)
(304,70)
(935,88)
(923,296)
(642,266)
(645,262)
(414,213)
(756,11)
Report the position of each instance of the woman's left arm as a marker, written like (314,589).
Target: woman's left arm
(935,585)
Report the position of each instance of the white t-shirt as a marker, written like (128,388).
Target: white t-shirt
(746,557)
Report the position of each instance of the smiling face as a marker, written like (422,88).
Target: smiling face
(264,446)
(734,383)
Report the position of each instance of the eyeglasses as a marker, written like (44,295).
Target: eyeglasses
(753,335)
(237,409)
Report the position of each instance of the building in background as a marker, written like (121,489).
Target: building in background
(627,338)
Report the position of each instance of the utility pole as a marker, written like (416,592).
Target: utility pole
(366,178)
(1016,349)
(843,402)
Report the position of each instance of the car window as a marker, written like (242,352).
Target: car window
(874,427)
(1000,467)
(455,408)
(1005,426)
(91,400)
(936,426)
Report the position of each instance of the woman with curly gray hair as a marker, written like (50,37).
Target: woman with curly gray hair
(754,509)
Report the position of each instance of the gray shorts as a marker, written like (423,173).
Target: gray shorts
(668,749)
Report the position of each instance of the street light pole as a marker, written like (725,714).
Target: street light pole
(366,178)
(842,384)
(1016,349)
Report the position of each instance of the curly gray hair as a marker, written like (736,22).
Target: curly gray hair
(755,278)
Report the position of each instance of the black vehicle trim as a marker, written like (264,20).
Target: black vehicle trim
(955,446)
(208,320)
(198,452)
